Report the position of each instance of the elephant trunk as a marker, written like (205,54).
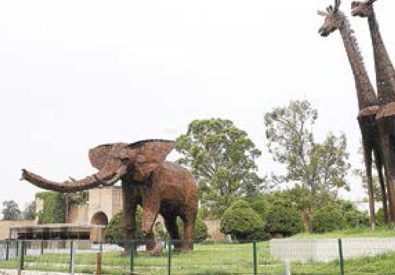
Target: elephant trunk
(100,178)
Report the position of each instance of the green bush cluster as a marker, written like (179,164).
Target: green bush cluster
(283,220)
(354,218)
(114,230)
(328,218)
(53,208)
(241,221)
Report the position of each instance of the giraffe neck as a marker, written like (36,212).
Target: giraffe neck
(385,73)
(365,91)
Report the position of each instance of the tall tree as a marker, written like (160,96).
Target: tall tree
(29,213)
(222,159)
(317,168)
(11,210)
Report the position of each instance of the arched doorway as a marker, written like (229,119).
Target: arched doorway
(99,218)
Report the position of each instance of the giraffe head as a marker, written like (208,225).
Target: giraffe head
(362,8)
(334,19)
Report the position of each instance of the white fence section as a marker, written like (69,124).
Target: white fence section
(325,250)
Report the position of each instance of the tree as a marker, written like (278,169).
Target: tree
(222,159)
(354,218)
(114,231)
(327,219)
(318,170)
(261,205)
(241,221)
(53,208)
(11,211)
(29,213)
(283,220)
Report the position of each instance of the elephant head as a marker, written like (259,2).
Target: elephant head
(113,161)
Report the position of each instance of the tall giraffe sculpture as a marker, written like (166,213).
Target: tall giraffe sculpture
(367,100)
(385,78)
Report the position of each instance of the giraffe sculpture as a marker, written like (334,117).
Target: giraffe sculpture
(367,100)
(385,78)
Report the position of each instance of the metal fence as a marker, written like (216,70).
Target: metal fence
(208,258)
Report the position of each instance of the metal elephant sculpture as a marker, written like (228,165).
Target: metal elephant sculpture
(160,187)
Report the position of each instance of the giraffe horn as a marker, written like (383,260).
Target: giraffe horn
(337,5)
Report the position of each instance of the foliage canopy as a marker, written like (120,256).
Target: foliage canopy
(222,159)
(240,221)
(11,211)
(53,208)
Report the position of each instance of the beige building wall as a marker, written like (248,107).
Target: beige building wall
(213,228)
(106,199)
(78,213)
(5,226)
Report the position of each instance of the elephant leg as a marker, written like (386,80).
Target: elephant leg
(367,148)
(129,213)
(151,204)
(189,226)
(172,228)
(149,240)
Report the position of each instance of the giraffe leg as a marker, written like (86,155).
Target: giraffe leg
(379,167)
(367,148)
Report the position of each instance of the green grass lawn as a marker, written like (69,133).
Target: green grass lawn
(349,233)
(206,259)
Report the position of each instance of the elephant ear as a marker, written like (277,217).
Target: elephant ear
(98,156)
(150,154)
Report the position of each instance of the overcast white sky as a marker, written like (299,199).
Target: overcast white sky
(75,74)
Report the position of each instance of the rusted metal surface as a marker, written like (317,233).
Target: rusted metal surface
(335,19)
(386,111)
(385,82)
(160,187)
(368,111)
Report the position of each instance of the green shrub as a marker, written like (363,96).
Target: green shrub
(284,220)
(327,219)
(53,208)
(380,217)
(260,205)
(353,217)
(241,221)
(199,234)
(114,230)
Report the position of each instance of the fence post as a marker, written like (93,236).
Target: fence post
(98,263)
(287,264)
(42,247)
(254,258)
(341,259)
(17,249)
(7,252)
(21,258)
(72,256)
(169,257)
(131,256)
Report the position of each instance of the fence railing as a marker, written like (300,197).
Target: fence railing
(209,258)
